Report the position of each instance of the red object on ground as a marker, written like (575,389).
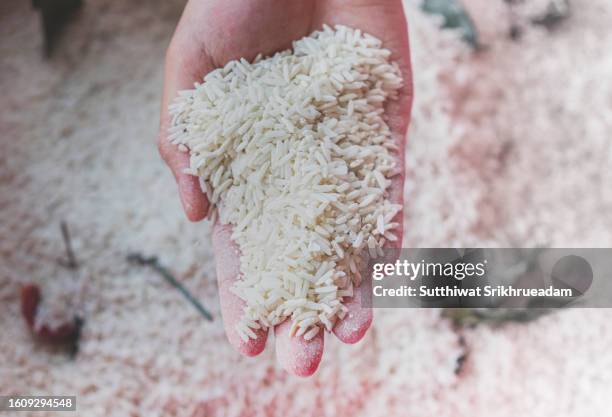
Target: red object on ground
(30,300)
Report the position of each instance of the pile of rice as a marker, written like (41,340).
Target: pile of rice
(294,151)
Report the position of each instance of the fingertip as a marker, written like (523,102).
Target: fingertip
(296,355)
(251,347)
(193,199)
(356,323)
(354,327)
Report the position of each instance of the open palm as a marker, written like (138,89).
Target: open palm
(213,32)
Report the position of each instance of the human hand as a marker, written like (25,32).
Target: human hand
(213,32)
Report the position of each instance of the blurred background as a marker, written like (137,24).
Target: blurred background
(509,146)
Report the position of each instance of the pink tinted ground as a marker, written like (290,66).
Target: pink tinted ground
(144,351)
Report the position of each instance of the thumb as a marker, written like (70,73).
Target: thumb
(178,76)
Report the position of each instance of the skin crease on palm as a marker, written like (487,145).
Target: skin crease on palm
(213,32)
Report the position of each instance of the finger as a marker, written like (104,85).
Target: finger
(298,356)
(180,73)
(195,204)
(227,255)
(357,321)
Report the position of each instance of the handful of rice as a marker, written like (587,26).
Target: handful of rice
(293,151)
